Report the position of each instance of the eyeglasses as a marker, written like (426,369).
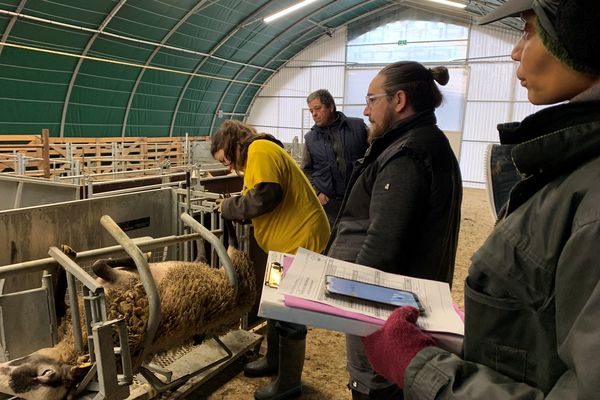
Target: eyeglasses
(369,100)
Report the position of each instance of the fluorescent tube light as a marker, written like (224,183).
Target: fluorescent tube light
(450,3)
(288,10)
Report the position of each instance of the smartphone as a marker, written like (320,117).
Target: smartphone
(367,291)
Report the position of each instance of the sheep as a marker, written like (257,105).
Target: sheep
(195,299)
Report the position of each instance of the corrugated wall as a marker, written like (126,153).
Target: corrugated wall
(494,95)
(278,109)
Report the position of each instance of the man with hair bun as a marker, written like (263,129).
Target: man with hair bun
(532,296)
(401,211)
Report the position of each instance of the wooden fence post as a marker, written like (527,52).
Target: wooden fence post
(46,153)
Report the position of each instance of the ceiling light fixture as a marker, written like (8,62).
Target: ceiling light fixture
(288,10)
(450,3)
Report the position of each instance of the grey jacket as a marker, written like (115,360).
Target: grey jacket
(532,296)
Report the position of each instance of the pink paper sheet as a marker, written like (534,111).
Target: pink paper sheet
(298,302)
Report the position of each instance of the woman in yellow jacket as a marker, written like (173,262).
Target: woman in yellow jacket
(286,214)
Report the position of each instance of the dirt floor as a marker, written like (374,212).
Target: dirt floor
(324,376)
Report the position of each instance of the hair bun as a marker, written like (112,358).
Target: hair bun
(440,75)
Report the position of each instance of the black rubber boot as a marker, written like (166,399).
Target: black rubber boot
(267,365)
(287,385)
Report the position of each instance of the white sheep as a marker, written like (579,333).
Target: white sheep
(195,299)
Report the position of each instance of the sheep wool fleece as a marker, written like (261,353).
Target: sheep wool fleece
(299,219)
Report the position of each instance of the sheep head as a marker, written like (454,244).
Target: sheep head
(41,375)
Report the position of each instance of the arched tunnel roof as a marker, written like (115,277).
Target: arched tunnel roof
(148,67)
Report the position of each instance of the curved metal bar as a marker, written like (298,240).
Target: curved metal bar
(164,40)
(259,52)
(212,51)
(297,41)
(44,263)
(85,51)
(74,269)
(145,276)
(221,251)
(11,23)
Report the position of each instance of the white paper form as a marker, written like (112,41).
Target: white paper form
(306,279)
(272,305)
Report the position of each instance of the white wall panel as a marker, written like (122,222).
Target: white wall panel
(286,83)
(290,112)
(286,135)
(264,112)
(494,95)
(307,122)
(357,84)
(520,91)
(326,50)
(481,120)
(491,81)
(472,156)
(523,109)
(491,43)
(330,78)
(278,106)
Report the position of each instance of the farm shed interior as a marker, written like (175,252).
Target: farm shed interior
(105,108)
(150,216)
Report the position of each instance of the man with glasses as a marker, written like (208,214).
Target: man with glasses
(402,212)
(333,144)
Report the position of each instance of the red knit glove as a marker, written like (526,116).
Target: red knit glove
(392,347)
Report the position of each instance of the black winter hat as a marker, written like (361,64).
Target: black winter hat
(569,29)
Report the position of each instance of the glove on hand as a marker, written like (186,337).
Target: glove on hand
(392,347)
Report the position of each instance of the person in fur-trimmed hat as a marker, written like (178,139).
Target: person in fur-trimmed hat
(532,296)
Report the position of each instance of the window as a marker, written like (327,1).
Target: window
(411,39)
(408,35)
(449,114)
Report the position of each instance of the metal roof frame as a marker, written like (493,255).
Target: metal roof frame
(221,48)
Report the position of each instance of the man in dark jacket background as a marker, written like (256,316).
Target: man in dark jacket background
(333,144)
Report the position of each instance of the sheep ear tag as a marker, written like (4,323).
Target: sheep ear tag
(78,372)
(273,275)
(86,364)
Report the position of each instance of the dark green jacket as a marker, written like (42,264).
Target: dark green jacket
(532,296)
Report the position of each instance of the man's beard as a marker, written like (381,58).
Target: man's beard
(374,131)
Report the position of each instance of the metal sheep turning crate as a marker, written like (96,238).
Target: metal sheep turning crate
(32,308)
